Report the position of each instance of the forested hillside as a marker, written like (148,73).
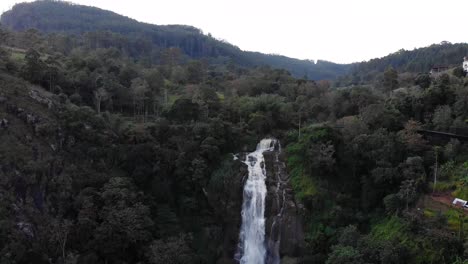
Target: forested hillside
(105,158)
(146,40)
(415,61)
(419,60)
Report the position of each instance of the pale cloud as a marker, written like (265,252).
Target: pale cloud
(336,30)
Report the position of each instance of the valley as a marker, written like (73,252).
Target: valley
(124,142)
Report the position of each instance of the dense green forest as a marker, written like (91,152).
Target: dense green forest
(146,40)
(109,155)
(413,62)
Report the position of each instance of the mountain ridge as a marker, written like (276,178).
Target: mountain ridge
(51,16)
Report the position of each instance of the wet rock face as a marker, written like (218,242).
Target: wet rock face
(284,232)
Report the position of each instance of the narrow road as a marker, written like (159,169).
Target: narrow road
(445,199)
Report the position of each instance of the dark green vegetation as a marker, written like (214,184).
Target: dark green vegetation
(410,62)
(111,157)
(106,29)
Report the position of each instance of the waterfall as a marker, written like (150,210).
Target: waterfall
(252,246)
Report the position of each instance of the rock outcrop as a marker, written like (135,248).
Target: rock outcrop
(284,230)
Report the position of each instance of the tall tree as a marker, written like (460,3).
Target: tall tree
(139,90)
(100,95)
(155,82)
(33,69)
(390,79)
(52,71)
(407,192)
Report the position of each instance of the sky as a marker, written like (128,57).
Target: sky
(341,31)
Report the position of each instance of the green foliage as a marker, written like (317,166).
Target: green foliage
(442,118)
(390,79)
(304,186)
(429,213)
(396,243)
(184,110)
(442,186)
(301,162)
(390,229)
(393,203)
(18,56)
(459,72)
(221,177)
(417,60)
(423,80)
(140,39)
(33,68)
(349,236)
(461,191)
(342,255)
(119,142)
(460,261)
(171,250)
(456,219)
(454,179)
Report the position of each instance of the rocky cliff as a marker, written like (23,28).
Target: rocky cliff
(284,232)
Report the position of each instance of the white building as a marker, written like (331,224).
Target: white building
(459,202)
(465,64)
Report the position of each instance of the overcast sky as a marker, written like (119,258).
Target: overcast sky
(341,31)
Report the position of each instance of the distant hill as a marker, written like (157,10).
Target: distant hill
(51,16)
(417,60)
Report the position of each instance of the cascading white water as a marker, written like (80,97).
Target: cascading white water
(252,248)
